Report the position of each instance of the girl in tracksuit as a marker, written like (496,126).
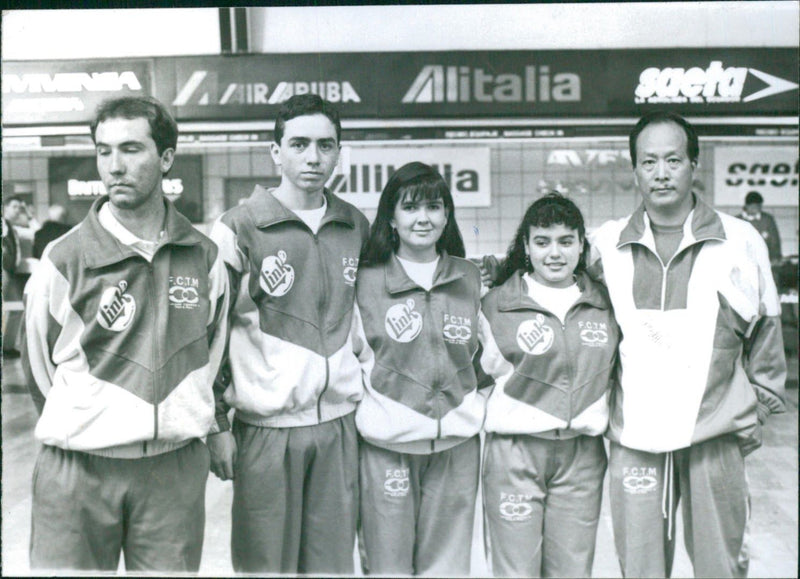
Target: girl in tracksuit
(550,342)
(416,316)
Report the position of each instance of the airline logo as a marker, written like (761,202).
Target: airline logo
(37,83)
(715,84)
(437,83)
(402,323)
(203,88)
(277,276)
(117,308)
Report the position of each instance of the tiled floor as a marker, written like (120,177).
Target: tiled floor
(772,473)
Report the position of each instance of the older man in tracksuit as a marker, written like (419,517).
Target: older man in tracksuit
(702,361)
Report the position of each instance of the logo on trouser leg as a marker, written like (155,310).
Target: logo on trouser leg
(396,483)
(639,480)
(516,507)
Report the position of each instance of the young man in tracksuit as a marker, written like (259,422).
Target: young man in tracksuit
(291,375)
(125,320)
(702,362)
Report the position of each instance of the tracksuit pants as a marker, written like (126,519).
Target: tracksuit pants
(88,508)
(645,489)
(418,510)
(541,501)
(295,498)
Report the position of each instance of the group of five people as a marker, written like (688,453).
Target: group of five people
(362,363)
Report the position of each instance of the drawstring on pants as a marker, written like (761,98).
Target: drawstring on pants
(669,494)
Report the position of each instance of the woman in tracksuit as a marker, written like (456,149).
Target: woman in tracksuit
(550,342)
(416,316)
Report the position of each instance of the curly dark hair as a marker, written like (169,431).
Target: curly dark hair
(552,209)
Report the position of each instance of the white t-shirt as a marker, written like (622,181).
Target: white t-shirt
(312,217)
(556,299)
(147,249)
(420,273)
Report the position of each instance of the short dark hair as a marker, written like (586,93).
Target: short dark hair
(163,127)
(660,117)
(552,209)
(10,198)
(306,104)
(415,181)
(753,197)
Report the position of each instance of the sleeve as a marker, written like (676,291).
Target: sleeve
(41,331)
(231,263)
(217,330)
(764,357)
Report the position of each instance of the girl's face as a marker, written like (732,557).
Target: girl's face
(554,253)
(419,226)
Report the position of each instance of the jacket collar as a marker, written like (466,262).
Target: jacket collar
(702,224)
(267,211)
(514,294)
(397,279)
(100,248)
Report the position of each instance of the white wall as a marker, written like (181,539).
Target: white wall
(524,26)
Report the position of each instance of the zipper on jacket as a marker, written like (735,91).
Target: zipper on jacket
(436,382)
(570,372)
(156,360)
(321,327)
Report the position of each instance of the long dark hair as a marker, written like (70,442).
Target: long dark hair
(552,209)
(415,181)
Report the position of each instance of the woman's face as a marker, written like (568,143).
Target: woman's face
(554,253)
(419,226)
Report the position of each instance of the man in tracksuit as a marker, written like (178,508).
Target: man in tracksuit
(702,361)
(125,320)
(291,375)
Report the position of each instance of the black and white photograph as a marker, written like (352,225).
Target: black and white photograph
(450,290)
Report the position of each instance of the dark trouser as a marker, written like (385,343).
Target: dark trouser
(295,498)
(542,504)
(88,508)
(710,478)
(418,510)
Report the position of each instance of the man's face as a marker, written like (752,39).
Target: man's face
(12,211)
(753,208)
(128,162)
(663,172)
(307,152)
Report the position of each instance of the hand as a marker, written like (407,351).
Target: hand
(222,447)
(489,267)
(753,441)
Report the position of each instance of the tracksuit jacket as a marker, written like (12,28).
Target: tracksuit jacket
(121,352)
(417,349)
(290,360)
(702,353)
(551,379)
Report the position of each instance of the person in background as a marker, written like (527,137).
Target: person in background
(125,329)
(55,226)
(290,373)
(764,223)
(701,357)
(417,304)
(550,343)
(12,207)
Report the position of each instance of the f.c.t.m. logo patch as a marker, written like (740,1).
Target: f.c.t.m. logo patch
(277,276)
(117,308)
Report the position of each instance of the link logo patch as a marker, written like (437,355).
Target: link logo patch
(402,323)
(349,270)
(639,480)
(277,276)
(593,334)
(397,482)
(456,329)
(534,336)
(116,308)
(183,293)
(516,506)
